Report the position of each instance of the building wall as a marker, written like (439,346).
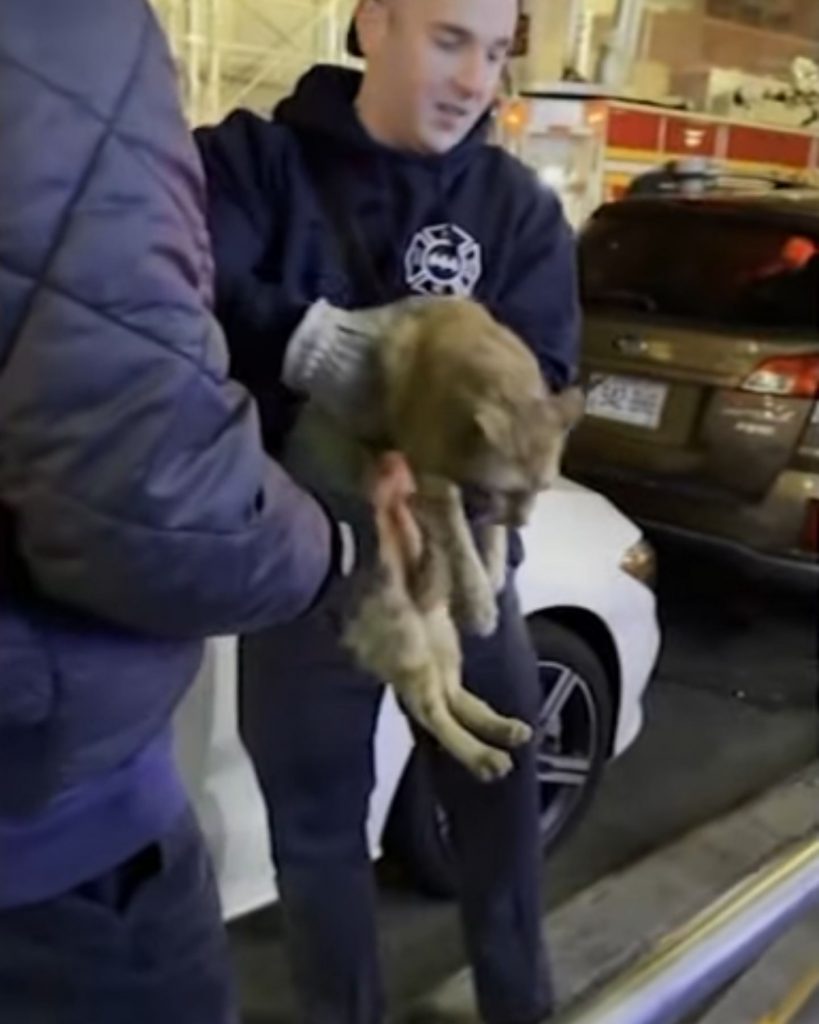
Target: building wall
(726,33)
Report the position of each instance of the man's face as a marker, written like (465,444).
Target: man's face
(435,66)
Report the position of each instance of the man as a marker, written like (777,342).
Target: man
(361,191)
(138,513)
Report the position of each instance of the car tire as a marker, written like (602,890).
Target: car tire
(587,721)
(576,742)
(416,836)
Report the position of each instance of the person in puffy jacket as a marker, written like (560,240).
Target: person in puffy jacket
(138,514)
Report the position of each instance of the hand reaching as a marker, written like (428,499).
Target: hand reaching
(391,487)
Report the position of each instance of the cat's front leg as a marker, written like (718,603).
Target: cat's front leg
(493,542)
(472,596)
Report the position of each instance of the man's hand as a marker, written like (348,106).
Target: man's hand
(391,480)
(331,355)
(390,488)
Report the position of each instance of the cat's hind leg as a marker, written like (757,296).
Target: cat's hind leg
(474,714)
(388,637)
(481,719)
(425,700)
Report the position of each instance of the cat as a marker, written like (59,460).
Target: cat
(463,399)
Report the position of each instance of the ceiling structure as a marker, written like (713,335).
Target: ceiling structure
(248,52)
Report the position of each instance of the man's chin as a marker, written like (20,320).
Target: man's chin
(437,141)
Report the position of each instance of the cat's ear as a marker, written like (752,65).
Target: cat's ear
(491,424)
(571,404)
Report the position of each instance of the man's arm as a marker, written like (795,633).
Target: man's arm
(540,298)
(130,464)
(244,207)
(281,344)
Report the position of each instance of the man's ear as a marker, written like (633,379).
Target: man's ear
(371,18)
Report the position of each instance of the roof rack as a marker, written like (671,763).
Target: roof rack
(697,176)
(765,179)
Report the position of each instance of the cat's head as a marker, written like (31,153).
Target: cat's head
(468,402)
(513,452)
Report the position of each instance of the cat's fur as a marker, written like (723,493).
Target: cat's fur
(464,400)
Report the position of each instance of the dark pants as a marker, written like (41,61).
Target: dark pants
(142,944)
(308,719)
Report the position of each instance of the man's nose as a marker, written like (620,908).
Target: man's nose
(473,73)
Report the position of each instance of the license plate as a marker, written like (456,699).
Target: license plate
(629,400)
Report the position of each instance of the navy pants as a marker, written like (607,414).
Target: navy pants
(308,718)
(142,944)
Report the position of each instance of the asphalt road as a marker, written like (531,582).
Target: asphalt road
(730,712)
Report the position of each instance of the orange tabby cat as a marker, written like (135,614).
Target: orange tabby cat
(464,400)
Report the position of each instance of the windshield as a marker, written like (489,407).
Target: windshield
(697,264)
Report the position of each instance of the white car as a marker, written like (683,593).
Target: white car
(585,587)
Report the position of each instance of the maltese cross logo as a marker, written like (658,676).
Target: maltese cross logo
(443,259)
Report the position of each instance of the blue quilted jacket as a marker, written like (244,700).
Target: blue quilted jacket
(138,511)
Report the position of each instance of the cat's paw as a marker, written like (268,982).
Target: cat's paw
(491,765)
(477,613)
(518,733)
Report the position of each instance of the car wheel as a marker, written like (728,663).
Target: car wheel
(574,732)
(574,729)
(417,833)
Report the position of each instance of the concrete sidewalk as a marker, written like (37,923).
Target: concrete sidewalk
(619,918)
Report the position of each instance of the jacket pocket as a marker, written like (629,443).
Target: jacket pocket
(116,890)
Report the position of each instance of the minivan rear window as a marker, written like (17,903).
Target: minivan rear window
(700,265)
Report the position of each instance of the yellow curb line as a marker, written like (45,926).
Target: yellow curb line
(794,1001)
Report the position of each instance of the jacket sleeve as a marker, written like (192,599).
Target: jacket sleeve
(244,203)
(131,465)
(539,299)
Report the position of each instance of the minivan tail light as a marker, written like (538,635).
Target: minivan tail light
(792,376)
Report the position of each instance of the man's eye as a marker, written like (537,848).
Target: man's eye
(448,43)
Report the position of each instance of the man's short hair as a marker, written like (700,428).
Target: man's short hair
(354,46)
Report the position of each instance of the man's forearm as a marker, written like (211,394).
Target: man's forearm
(259,319)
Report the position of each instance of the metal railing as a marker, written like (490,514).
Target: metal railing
(684,969)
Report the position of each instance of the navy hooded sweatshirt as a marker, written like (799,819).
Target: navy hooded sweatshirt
(471,222)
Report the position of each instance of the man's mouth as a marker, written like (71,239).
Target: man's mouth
(451,111)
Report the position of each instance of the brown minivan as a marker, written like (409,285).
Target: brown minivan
(701,362)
